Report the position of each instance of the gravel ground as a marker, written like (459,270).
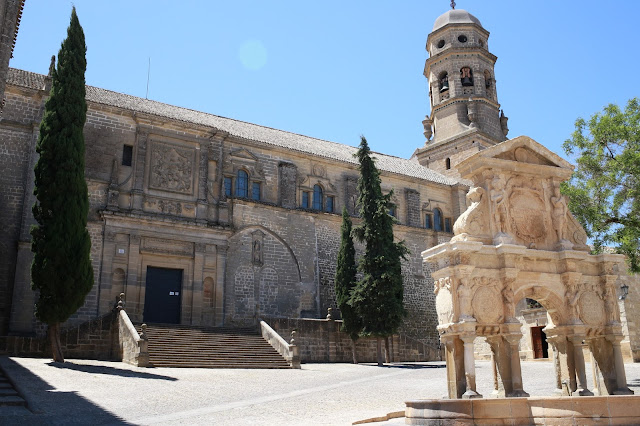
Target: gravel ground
(98,392)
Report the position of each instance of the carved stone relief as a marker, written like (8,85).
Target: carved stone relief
(444,300)
(171,168)
(319,170)
(591,309)
(257,249)
(165,246)
(474,221)
(484,303)
(465,293)
(527,215)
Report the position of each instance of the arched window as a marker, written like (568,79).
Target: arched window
(487,79)
(443,80)
(317,197)
(448,163)
(242,184)
(466,76)
(437,220)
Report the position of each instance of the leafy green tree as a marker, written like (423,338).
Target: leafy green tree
(61,271)
(377,298)
(346,272)
(604,192)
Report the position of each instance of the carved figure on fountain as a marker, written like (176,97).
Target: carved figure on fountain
(471,224)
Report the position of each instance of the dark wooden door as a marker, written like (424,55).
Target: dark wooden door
(163,295)
(539,341)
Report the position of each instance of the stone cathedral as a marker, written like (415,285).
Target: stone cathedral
(206,220)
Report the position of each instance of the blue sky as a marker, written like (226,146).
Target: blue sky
(337,69)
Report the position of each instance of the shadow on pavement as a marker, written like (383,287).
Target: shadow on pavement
(100,369)
(51,406)
(408,366)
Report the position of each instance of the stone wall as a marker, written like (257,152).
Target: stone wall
(95,339)
(322,341)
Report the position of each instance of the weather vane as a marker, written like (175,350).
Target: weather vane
(453,4)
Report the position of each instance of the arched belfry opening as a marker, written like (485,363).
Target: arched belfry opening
(518,241)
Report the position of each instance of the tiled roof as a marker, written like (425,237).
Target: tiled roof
(240,129)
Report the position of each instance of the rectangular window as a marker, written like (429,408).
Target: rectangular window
(427,221)
(329,205)
(447,224)
(305,199)
(127,155)
(255,191)
(392,211)
(227,186)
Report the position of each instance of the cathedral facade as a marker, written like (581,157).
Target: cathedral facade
(205,220)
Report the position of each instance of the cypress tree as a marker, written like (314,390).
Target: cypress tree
(346,271)
(61,271)
(377,298)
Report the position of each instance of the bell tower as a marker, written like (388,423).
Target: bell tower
(465,113)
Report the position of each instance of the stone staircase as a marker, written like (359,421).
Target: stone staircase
(8,395)
(200,347)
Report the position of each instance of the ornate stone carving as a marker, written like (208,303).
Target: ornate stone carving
(559,215)
(473,221)
(465,293)
(160,245)
(611,301)
(319,170)
(484,303)
(497,195)
(591,309)
(444,300)
(508,300)
(527,214)
(257,248)
(572,292)
(171,168)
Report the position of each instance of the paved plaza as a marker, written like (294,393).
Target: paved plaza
(98,392)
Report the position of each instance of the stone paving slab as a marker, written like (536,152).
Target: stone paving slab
(98,392)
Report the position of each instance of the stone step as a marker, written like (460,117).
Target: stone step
(12,400)
(202,347)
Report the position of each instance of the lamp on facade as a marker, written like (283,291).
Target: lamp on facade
(624,289)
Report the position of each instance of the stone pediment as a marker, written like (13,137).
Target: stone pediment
(244,154)
(521,154)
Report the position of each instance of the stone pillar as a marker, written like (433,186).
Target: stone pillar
(578,359)
(500,356)
(469,367)
(556,366)
(621,377)
(138,174)
(197,284)
(203,173)
(456,384)
(221,261)
(107,297)
(134,275)
(516,371)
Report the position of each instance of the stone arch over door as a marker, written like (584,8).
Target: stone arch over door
(517,239)
(263,277)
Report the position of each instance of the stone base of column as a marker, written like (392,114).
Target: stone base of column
(471,394)
(518,393)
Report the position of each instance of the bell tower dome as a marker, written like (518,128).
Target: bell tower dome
(465,113)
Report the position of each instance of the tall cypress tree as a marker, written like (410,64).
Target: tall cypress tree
(377,298)
(61,271)
(346,271)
